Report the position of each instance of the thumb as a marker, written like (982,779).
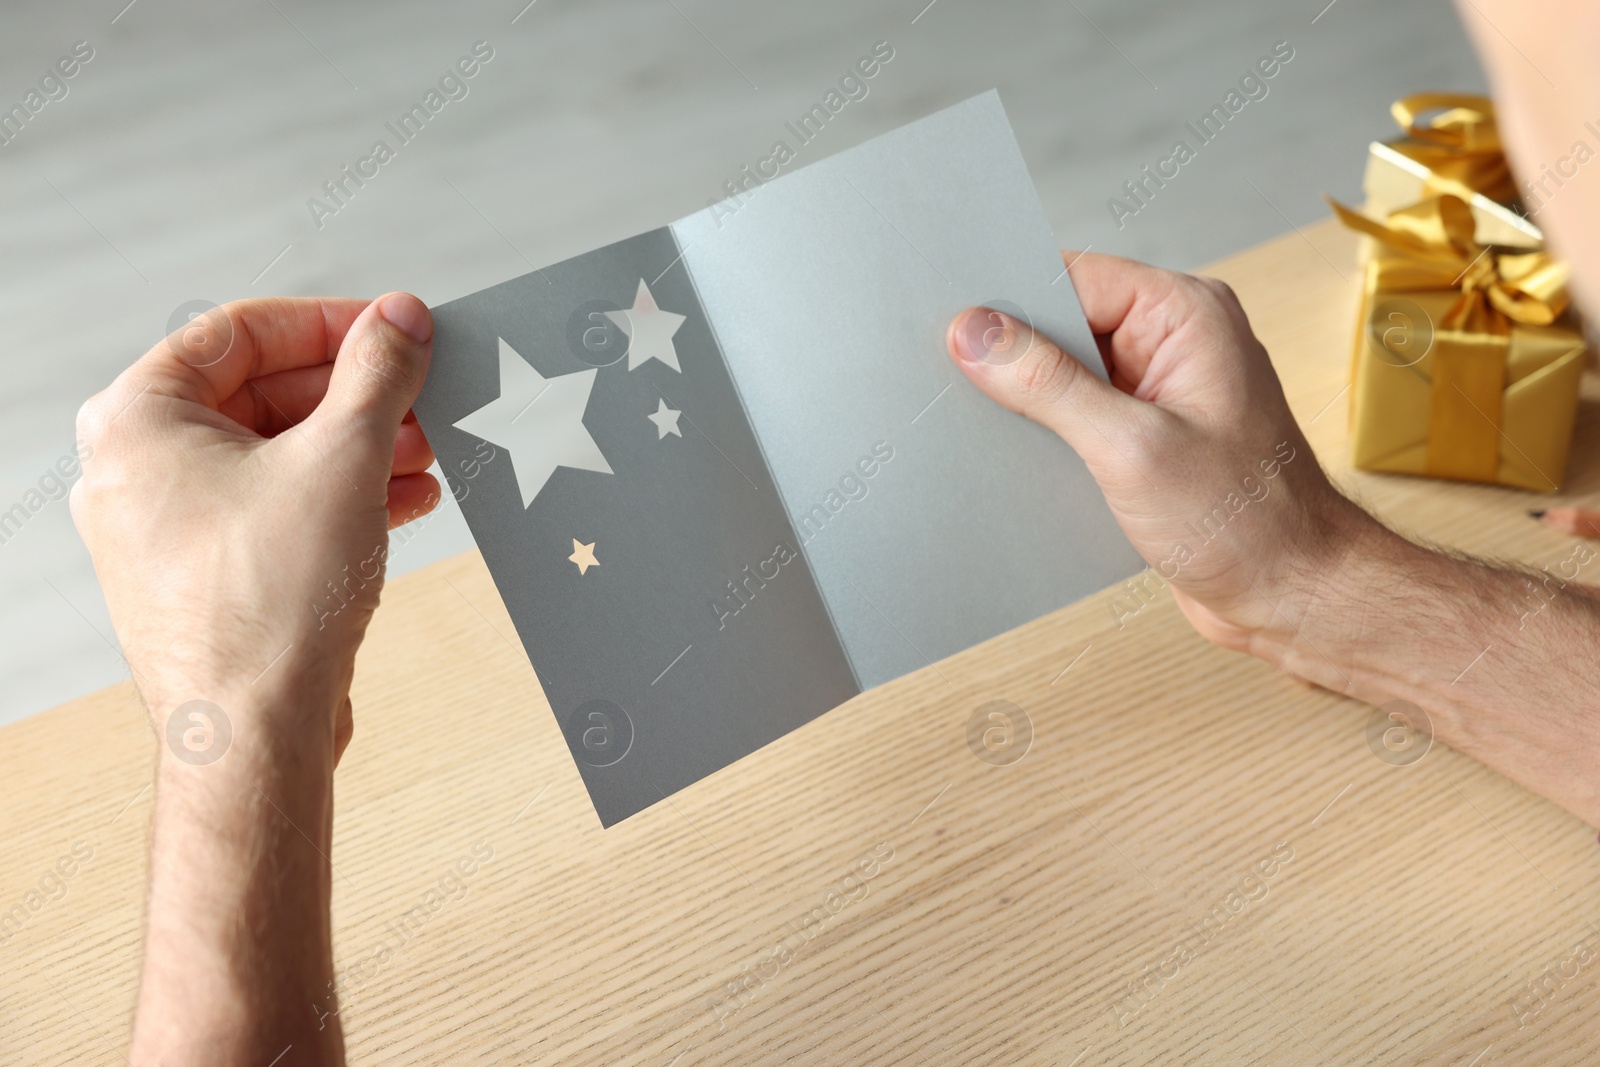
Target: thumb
(1031,375)
(376,377)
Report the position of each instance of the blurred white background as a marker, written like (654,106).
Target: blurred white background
(179,165)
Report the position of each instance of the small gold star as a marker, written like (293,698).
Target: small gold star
(583,556)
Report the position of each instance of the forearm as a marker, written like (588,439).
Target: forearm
(238,964)
(1506,663)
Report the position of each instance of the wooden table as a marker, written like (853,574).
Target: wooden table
(1384,913)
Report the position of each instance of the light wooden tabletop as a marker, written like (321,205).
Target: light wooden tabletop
(1186,823)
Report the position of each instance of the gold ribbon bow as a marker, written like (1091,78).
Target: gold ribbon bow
(1430,245)
(1460,145)
(1429,248)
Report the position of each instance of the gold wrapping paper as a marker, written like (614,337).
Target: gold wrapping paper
(1460,145)
(1456,151)
(1393,180)
(1465,365)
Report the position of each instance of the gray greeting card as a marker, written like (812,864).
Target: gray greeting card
(725,475)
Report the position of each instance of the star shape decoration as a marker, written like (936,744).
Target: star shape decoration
(649,330)
(539,421)
(666,420)
(583,556)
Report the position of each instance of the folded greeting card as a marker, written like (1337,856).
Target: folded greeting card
(725,475)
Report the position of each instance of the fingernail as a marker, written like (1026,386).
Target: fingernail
(408,315)
(970,334)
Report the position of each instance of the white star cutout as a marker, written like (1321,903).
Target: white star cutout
(649,330)
(666,420)
(539,421)
(583,556)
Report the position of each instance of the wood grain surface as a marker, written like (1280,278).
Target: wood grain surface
(1185,822)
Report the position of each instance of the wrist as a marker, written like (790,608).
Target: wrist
(1324,617)
(225,764)
(263,777)
(240,724)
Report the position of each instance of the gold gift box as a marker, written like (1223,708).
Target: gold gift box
(1466,363)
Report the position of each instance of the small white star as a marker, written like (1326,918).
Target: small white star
(666,420)
(583,556)
(649,330)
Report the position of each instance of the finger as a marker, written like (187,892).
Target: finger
(376,376)
(1110,287)
(208,359)
(412,496)
(411,450)
(1132,308)
(278,402)
(1031,375)
(273,404)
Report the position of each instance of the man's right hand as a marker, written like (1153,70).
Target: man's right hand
(1204,467)
(1192,443)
